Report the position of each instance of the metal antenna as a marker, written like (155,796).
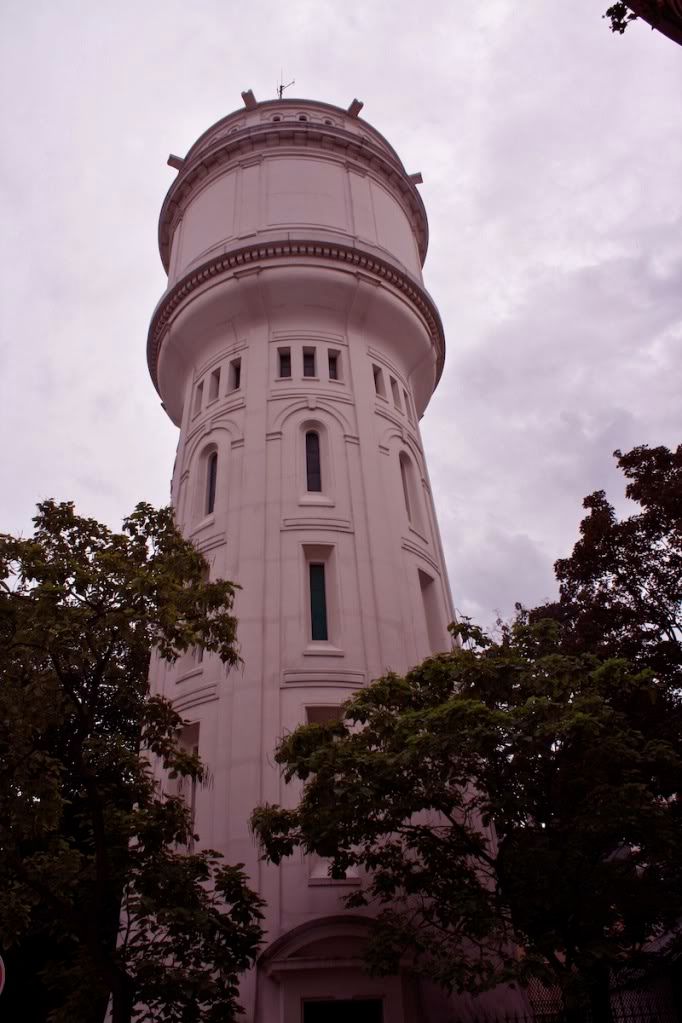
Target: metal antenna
(281,87)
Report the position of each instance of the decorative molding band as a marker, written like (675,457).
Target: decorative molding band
(316,523)
(394,418)
(208,544)
(355,152)
(228,404)
(205,694)
(187,675)
(325,336)
(288,249)
(340,397)
(407,545)
(212,415)
(320,677)
(216,360)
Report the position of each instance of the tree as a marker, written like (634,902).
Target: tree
(516,802)
(620,591)
(94,864)
(663,15)
(620,16)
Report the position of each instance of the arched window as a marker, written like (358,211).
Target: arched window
(211,481)
(312,461)
(409,479)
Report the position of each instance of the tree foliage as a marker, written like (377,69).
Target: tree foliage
(94,861)
(620,16)
(664,15)
(620,591)
(516,802)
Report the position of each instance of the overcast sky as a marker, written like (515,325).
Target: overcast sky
(552,159)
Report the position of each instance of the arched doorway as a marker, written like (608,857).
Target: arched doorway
(319,970)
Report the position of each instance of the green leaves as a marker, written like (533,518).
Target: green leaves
(93,864)
(620,16)
(521,792)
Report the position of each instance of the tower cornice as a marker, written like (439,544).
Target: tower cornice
(268,136)
(270,253)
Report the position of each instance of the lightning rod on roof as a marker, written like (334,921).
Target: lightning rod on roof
(281,87)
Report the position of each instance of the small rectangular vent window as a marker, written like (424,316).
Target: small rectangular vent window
(396,393)
(379,385)
(188,741)
(198,398)
(214,385)
(309,362)
(235,374)
(334,366)
(322,715)
(284,362)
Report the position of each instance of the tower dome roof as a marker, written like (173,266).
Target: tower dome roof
(263,128)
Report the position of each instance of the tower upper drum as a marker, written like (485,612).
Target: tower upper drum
(311,193)
(293,168)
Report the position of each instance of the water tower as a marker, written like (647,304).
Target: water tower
(296,349)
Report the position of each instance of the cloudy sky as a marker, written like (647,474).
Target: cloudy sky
(552,161)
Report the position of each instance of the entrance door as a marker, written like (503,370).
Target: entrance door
(354,1010)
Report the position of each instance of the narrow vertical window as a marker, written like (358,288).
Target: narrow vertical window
(214,385)
(408,407)
(284,362)
(188,740)
(334,366)
(211,481)
(404,475)
(198,397)
(379,381)
(318,603)
(199,650)
(235,374)
(434,630)
(396,393)
(312,461)
(309,362)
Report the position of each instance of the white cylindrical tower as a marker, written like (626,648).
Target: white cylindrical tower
(296,349)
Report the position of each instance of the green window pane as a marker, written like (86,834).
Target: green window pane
(318,603)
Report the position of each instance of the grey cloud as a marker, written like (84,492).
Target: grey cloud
(552,156)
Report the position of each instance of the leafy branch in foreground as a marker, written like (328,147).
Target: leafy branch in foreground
(516,803)
(94,869)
